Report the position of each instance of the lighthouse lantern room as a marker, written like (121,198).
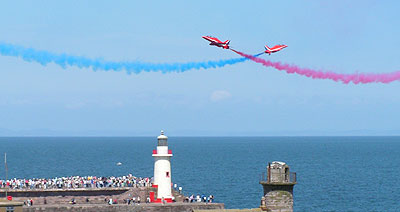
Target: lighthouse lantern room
(162,169)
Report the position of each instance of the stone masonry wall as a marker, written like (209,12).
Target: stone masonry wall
(173,207)
(64,192)
(279,201)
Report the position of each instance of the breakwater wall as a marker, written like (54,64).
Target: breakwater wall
(153,207)
(81,195)
(63,192)
(94,199)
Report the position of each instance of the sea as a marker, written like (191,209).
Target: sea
(333,173)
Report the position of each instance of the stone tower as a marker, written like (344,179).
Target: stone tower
(278,188)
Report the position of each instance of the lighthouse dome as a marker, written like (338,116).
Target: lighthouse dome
(162,139)
(162,136)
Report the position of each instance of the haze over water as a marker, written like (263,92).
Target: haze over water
(334,173)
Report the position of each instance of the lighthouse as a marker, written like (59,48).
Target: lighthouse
(162,169)
(278,188)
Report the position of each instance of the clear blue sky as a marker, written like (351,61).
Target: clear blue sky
(244,99)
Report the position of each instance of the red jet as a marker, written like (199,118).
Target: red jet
(274,49)
(217,42)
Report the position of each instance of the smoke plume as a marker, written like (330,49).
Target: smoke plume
(64,60)
(337,77)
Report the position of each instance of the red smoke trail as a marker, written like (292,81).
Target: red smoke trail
(345,78)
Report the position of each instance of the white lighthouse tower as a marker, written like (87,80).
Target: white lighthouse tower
(162,169)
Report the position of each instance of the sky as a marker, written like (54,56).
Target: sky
(245,99)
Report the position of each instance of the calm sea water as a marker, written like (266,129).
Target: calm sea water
(334,173)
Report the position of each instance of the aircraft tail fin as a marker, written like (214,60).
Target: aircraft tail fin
(267,48)
(227,42)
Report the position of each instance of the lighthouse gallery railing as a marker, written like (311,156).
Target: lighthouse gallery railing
(278,177)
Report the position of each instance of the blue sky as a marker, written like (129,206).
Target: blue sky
(243,99)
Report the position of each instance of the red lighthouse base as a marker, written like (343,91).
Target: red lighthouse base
(168,200)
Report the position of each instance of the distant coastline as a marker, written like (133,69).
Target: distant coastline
(194,133)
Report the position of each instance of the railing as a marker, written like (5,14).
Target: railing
(278,177)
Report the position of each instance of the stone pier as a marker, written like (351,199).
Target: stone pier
(143,207)
(95,199)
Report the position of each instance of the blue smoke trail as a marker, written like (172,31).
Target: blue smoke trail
(64,60)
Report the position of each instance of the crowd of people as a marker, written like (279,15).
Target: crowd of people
(76,182)
(94,182)
(199,198)
(194,198)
